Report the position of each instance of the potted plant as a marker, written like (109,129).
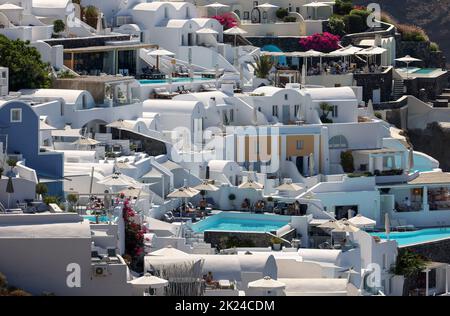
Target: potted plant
(270,202)
(263,65)
(276,243)
(12,163)
(58,27)
(232,198)
(326,109)
(41,189)
(407,267)
(72,199)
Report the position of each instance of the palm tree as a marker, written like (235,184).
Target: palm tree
(263,64)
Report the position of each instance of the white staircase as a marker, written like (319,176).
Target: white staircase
(398,89)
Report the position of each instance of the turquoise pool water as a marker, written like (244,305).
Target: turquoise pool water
(421,163)
(424,71)
(418,236)
(174,80)
(101,219)
(415,70)
(242,223)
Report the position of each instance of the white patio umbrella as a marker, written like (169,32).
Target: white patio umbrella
(267,284)
(149,280)
(217,6)
(387,225)
(311,164)
(407,60)
(361,221)
(235,31)
(315,5)
(411,158)
(345,227)
(158,53)
(371,51)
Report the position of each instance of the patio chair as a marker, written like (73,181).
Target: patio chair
(403,225)
(208,87)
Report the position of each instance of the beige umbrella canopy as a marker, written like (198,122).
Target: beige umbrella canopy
(235,31)
(168,251)
(183,192)
(86,141)
(206,30)
(133,192)
(149,280)
(217,6)
(251,184)
(289,186)
(206,186)
(118,179)
(158,53)
(362,221)
(346,227)
(267,283)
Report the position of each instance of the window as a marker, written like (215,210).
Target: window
(338,142)
(290,7)
(231,115)
(255,4)
(334,111)
(166,13)
(246,15)
(286,96)
(299,145)
(297,9)
(296,109)
(259,109)
(16,115)
(275,110)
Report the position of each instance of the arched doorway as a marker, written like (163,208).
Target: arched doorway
(256,15)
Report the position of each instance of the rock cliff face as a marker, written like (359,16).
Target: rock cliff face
(433,141)
(431,15)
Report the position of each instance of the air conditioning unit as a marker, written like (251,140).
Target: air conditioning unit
(100,270)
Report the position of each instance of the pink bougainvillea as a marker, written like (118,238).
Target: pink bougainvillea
(227,20)
(325,42)
(134,233)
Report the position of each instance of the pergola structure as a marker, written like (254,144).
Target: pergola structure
(113,50)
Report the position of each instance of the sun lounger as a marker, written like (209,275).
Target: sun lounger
(208,87)
(162,93)
(403,225)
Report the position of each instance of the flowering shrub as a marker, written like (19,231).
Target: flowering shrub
(134,233)
(412,33)
(227,20)
(325,42)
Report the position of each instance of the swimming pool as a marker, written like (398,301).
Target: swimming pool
(415,70)
(174,80)
(101,219)
(418,236)
(241,222)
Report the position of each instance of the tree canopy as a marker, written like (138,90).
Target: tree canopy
(26,69)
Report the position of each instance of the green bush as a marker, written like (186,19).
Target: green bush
(41,189)
(59,26)
(336,25)
(343,7)
(347,161)
(26,69)
(412,33)
(289,19)
(50,199)
(408,264)
(378,115)
(434,47)
(354,23)
(281,13)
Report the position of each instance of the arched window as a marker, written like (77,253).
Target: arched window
(338,142)
(166,13)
